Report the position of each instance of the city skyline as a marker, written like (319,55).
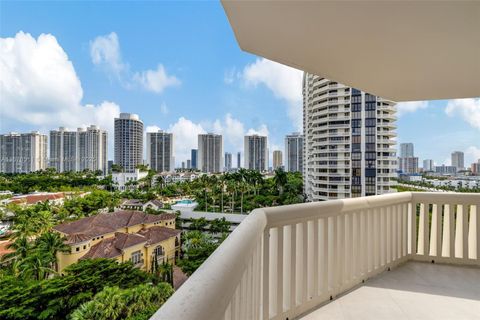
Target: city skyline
(98,72)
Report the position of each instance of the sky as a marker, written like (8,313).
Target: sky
(178,66)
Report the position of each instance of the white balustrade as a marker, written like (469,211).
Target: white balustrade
(283,261)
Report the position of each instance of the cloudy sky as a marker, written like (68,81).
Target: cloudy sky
(178,66)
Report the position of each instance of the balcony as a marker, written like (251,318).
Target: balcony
(402,255)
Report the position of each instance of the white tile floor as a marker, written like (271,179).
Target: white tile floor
(414,290)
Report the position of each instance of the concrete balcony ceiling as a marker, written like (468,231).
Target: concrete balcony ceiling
(401,50)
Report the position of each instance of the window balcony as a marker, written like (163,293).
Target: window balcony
(395,256)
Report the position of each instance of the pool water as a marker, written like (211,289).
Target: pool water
(185,201)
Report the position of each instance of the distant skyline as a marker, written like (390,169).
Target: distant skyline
(178,66)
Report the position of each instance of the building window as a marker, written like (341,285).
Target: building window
(77,249)
(136,257)
(158,251)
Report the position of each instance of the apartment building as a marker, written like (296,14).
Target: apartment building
(210,152)
(124,236)
(294,152)
(79,150)
(228,161)
(277,159)
(458,160)
(256,152)
(349,145)
(160,151)
(23,152)
(128,143)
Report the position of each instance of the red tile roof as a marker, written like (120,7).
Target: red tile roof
(35,198)
(112,247)
(101,224)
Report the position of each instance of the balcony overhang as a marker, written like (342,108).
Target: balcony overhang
(400,50)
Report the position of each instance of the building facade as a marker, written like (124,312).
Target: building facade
(256,153)
(406,150)
(294,152)
(277,159)
(349,145)
(239,160)
(210,152)
(79,150)
(160,151)
(194,158)
(228,161)
(458,160)
(23,152)
(128,143)
(428,165)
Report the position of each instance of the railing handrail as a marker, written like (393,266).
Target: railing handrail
(218,285)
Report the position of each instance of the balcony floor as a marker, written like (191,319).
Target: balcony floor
(415,290)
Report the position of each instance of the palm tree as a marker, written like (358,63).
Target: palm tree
(49,244)
(280,179)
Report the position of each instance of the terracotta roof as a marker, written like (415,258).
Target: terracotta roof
(35,198)
(76,238)
(109,222)
(112,247)
(158,203)
(132,202)
(157,234)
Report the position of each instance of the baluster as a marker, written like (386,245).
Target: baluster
(325,253)
(266,275)
(412,227)
(293,266)
(383,236)
(393,226)
(448,241)
(475,220)
(315,258)
(341,250)
(304,290)
(348,247)
(376,238)
(436,232)
(370,249)
(389,235)
(279,310)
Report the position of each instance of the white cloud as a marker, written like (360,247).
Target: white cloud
(467,109)
(285,83)
(155,80)
(152,129)
(473,153)
(261,131)
(105,51)
(40,87)
(185,135)
(410,106)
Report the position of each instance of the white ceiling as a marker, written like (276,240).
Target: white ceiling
(401,50)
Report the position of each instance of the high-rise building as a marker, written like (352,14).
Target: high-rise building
(210,152)
(194,158)
(23,152)
(239,160)
(476,168)
(349,145)
(228,161)
(256,153)
(189,164)
(407,162)
(458,160)
(79,150)
(406,150)
(447,170)
(428,165)
(277,159)
(294,152)
(128,141)
(160,151)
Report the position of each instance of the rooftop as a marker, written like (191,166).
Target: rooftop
(100,224)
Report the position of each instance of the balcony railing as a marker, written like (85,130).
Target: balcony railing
(282,262)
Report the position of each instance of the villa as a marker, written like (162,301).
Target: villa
(124,236)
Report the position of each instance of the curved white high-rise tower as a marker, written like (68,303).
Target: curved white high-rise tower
(128,141)
(349,145)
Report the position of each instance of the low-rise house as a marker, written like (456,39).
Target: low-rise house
(135,204)
(153,204)
(127,180)
(133,236)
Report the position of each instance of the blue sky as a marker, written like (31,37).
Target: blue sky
(178,66)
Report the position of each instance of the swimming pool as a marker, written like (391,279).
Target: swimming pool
(185,201)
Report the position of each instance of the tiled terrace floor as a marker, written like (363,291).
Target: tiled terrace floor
(414,290)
